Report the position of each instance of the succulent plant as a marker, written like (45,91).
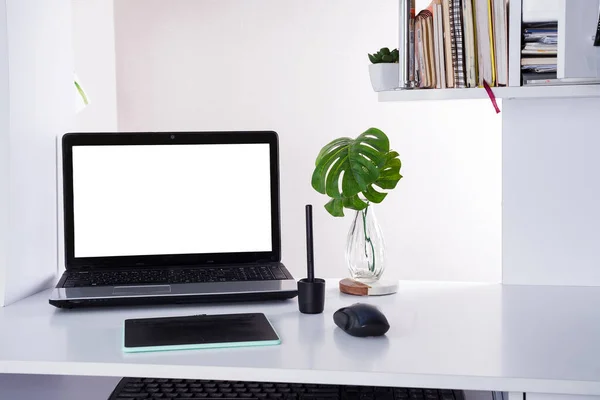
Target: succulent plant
(385,56)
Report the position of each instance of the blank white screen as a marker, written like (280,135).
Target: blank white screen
(171,199)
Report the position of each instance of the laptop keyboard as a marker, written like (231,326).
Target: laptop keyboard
(173,276)
(149,388)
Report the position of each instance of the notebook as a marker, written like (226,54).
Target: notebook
(425,49)
(538,61)
(420,70)
(469,44)
(458,54)
(449,45)
(485,42)
(501,41)
(440,62)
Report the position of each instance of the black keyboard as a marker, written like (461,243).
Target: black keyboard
(173,276)
(139,388)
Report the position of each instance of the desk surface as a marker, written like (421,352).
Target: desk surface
(447,335)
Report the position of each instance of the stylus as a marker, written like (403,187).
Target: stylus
(310,261)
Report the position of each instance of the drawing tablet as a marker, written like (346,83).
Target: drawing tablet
(198,332)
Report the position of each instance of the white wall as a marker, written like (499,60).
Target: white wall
(551,188)
(40,107)
(4,153)
(94,60)
(94,47)
(300,67)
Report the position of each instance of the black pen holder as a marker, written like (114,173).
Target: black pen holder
(311,296)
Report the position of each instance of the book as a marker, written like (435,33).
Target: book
(540,69)
(425,63)
(411,51)
(458,53)
(501,41)
(470,47)
(538,61)
(492,44)
(430,49)
(449,46)
(418,46)
(485,46)
(533,78)
(541,46)
(533,52)
(549,79)
(438,31)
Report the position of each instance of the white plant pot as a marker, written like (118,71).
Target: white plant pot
(384,76)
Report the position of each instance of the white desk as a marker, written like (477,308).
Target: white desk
(463,336)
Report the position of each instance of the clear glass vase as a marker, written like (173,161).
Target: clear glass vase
(365,250)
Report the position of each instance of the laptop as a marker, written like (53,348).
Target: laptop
(171,217)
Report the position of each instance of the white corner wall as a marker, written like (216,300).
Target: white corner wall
(40,107)
(4,153)
(551,190)
(299,67)
(94,58)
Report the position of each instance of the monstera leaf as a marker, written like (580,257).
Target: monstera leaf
(350,171)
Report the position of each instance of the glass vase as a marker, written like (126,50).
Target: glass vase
(365,250)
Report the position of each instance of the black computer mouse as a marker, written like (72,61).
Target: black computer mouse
(361,320)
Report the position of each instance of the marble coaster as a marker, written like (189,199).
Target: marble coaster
(378,288)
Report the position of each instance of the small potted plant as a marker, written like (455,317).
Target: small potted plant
(355,174)
(384,69)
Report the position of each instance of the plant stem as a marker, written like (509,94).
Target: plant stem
(368,240)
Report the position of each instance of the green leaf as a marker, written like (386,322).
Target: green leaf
(376,58)
(388,184)
(385,51)
(81,93)
(335,207)
(354,203)
(392,154)
(390,172)
(327,156)
(377,140)
(373,59)
(387,59)
(332,188)
(374,196)
(346,168)
(355,163)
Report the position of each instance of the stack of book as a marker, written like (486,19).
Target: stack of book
(461,44)
(538,54)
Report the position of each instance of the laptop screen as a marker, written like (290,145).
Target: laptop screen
(167,199)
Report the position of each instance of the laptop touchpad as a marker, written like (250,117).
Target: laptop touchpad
(146,289)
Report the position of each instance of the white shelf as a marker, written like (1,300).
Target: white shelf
(51,387)
(447,335)
(526,92)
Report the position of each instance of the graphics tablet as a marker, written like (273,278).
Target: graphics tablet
(198,332)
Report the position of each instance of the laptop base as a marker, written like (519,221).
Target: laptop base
(166,300)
